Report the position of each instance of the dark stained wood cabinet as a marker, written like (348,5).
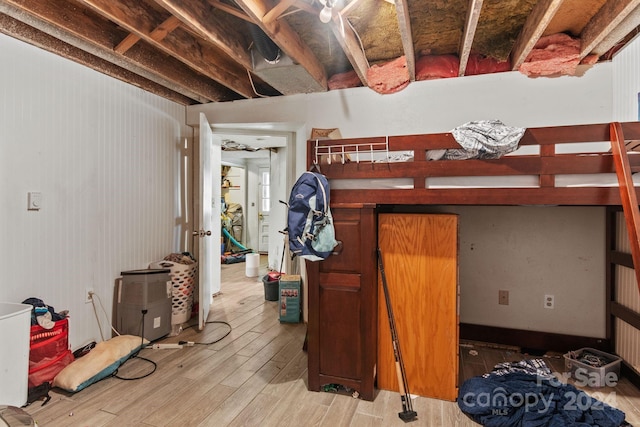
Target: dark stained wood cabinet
(342,323)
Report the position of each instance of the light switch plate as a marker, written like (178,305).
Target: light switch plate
(34,200)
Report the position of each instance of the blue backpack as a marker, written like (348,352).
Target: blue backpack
(309,222)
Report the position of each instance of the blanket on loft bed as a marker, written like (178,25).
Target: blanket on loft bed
(481,139)
(526,393)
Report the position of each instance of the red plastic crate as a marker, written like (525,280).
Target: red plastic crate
(49,352)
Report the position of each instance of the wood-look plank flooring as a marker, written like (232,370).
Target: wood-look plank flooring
(257,376)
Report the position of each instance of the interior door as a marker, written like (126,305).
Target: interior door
(209,230)
(264,184)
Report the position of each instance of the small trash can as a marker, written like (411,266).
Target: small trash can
(252,263)
(271,284)
(15,324)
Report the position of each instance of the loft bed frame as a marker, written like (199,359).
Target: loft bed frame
(358,159)
(355,159)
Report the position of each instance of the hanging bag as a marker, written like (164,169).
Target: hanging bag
(309,220)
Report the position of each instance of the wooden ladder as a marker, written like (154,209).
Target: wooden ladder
(627,193)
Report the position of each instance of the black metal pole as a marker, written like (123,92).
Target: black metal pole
(407,414)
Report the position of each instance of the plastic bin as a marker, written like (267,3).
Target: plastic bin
(49,352)
(592,376)
(270,287)
(15,321)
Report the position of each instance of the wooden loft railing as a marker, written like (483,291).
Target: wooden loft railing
(546,165)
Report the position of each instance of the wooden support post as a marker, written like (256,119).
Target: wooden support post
(627,193)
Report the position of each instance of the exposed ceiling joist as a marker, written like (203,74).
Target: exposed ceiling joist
(470,26)
(348,40)
(542,13)
(610,15)
(196,15)
(198,51)
(158,34)
(140,20)
(404,24)
(627,26)
(277,10)
(68,23)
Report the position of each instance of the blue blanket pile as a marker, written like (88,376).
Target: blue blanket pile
(527,394)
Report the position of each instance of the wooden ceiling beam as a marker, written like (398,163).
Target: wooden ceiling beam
(628,24)
(537,21)
(230,10)
(135,18)
(348,40)
(35,37)
(73,25)
(404,24)
(158,34)
(610,15)
(197,16)
(277,10)
(470,26)
(287,39)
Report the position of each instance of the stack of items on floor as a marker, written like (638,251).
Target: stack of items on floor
(49,351)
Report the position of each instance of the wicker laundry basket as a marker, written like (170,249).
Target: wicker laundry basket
(183,280)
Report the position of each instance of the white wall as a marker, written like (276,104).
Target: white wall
(626,82)
(105,156)
(441,105)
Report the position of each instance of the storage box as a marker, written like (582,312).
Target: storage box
(585,374)
(290,296)
(144,294)
(15,320)
(49,352)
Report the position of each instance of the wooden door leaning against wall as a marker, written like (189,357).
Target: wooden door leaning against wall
(420,253)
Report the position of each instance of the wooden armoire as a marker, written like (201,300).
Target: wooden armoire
(349,342)
(342,325)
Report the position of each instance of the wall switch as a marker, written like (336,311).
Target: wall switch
(503,297)
(549,301)
(34,200)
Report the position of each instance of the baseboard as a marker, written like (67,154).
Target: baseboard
(530,339)
(628,372)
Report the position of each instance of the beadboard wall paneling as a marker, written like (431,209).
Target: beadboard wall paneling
(626,82)
(625,90)
(107,158)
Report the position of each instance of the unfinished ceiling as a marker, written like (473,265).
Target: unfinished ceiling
(199,51)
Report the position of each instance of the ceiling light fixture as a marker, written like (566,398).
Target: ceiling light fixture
(327,11)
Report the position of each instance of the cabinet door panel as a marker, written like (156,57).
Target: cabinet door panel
(340,336)
(420,253)
(348,231)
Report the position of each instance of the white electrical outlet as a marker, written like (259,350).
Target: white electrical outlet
(549,301)
(88,295)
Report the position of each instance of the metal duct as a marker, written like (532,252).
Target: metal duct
(277,69)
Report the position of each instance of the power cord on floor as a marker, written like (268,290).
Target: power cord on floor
(188,343)
(137,356)
(212,342)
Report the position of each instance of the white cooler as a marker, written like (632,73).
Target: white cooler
(15,333)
